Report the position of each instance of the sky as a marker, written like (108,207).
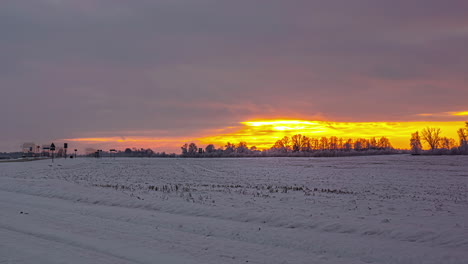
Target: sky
(159,73)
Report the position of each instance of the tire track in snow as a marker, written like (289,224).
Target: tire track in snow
(70,243)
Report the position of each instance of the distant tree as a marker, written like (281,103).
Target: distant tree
(128,151)
(463,135)
(348,145)
(340,143)
(360,144)
(184,149)
(333,143)
(229,148)
(242,147)
(384,143)
(192,149)
(323,143)
(314,144)
(210,148)
(415,143)
(286,142)
(365,143)
(447,143)
(431,136)
(306,146)
(282,145)
(373,143)
(298,141)
(149,152)
(278,145)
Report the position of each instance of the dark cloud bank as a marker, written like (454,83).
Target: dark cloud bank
(71,68)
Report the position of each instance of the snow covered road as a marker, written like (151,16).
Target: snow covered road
(386,209)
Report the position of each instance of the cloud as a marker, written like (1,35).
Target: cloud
(464,113)
(264,133)
(73,68)
(453,114)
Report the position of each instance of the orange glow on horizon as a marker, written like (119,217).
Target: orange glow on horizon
(157,144)
(264,133)
(445,114)
(120,140)
(464,113)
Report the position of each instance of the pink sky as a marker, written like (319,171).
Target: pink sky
(178,68)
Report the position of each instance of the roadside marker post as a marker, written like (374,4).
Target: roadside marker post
(52,148)
(65,146)
(112,151)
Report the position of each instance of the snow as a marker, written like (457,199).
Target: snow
(375,209)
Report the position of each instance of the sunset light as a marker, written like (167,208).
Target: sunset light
(464,113)
(233,131)
(263,133)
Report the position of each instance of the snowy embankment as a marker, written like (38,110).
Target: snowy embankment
(376,209)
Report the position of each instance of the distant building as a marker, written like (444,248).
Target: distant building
(29,149)
(45,150)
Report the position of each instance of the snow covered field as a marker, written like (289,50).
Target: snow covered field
(378,209)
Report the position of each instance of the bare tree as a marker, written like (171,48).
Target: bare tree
(298,142)
(242,147)
(361,144)
(373,143)
(340,143)
(463,135)
(192,149)
(333,143)
(229,148)
(282,145)
(447,143)
(348,145)
(384,143)
(314,144)
(415,143)
(210,148)
(432,137)
(306,145)
(184,149)
(286,143)
(324,143)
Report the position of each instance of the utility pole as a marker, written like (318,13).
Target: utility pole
(65,146)
(112,151)
(52,148)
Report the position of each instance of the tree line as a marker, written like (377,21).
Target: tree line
(300,145)
(438,144)
(297,145)
(129,152)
